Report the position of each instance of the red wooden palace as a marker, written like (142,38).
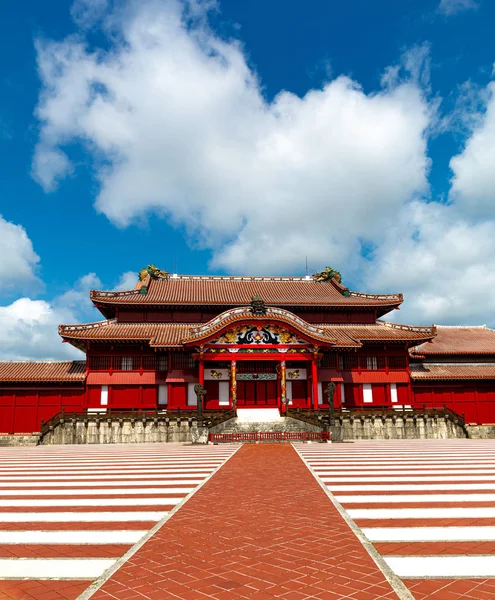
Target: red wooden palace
(251,342)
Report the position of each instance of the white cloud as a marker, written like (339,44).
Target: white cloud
(473,184)
(77,298)
(87,13)
(28,330)
(19,260)
(127,281)
(452,7)
(442,262)
(178,125)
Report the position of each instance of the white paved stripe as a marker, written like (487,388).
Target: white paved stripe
(92,502)
(452,464)
(75,478)
(415,498)
(430,534)
(25,466)
(54,470)
(166,472)
(71,537)
(442,566)
(393,460)
(100,492)
(386,472)
(104,485)
(396,454)
(419,487)
(136,483)
(80,517)
(423,513)
(53,568)
(401,478)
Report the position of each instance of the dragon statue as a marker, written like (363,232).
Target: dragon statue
(327,274)
(153,272)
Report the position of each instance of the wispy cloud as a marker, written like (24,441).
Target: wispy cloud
(452,7)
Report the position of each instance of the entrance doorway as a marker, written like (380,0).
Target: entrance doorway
(257,393)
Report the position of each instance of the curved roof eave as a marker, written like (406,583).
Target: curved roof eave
(244,314)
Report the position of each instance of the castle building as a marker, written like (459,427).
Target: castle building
(251,342)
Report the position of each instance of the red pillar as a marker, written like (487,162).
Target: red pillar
(283,385)
(314,378)
(308,389)
(233,383)
(201,376)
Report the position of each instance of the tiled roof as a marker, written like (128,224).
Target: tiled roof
(425,371)
(175,334)
(458,341)
(383,331)
(157,334)
(238,291)
(47,371)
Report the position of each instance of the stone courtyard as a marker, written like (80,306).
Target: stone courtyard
(364,520)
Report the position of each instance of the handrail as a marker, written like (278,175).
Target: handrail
(383,410)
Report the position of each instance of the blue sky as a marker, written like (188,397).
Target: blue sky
(242,137)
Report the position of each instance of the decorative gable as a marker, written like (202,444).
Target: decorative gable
(258,335)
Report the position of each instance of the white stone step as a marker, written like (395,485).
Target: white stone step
(258,415)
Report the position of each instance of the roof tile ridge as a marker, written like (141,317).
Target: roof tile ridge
(84,326)
(376,324)
(464,327)
(42,361)
(416,328)
(398,296)
(240,278)
(113,294)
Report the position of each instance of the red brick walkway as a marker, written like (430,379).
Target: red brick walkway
(261,528)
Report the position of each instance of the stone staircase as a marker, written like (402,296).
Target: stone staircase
(262,420)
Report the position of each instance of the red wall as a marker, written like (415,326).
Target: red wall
(475,400)
(202,316)
(21,410)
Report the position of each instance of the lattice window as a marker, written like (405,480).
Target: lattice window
(126,363)
(329,360)
(148,363)
(183,360)
(397,362)
(162,363)
(99,363)
(371,363)
(349,362)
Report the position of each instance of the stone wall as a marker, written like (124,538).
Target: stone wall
(397,427)
(19,440)
(100,430)
(481,432)
(121,431)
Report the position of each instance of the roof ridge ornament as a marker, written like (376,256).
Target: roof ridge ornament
(153,272)
(329,274)
(257,306)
